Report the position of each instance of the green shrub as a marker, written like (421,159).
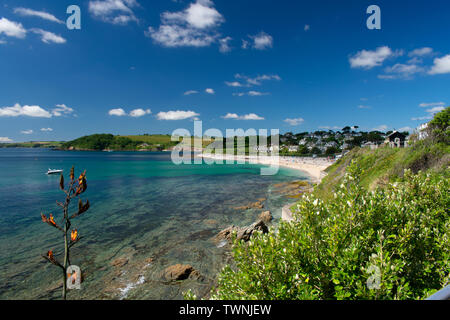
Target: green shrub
(390,243)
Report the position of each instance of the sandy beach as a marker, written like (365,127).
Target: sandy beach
(313,167)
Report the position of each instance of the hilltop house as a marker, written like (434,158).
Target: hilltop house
(396,139)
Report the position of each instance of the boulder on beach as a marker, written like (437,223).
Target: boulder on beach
(244,233)
(180,272)
(266,216)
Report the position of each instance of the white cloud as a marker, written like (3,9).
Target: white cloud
(40,14)
(176,115)
(5,140)
(139,113)
(250,116)
(262,41)
(46,129)
(257,93)
(256,81)
(364,107)
(47,36)
(295,121)
(210,91)
(233,84)
(401,71)
(307,27)
(441,65)
(26,131)
(224,46)
(431,104)
(435,110)
(28,111)
(119,112)
(245,44)
(381,128)
(421,52)
(61,109)
(367,59)
(188,93)
(192,27)
(12,29)
(118,12)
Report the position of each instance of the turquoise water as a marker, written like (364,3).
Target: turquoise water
(144,210)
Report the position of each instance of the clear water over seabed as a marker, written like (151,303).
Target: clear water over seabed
(146,214)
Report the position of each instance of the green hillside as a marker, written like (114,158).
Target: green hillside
(377,227)
(99,142)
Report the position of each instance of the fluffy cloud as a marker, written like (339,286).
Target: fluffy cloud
(46,129)
(250,116)
(307,27)
(401,71)
(249,82)
(26,131)
(61,109)
(40,14)
(433,108)
(192,27)
(262,41)
(48,37)
(421,52)
(224,46)
(364,107)
(367,59)
(441,65)
(136,113)
(12,29)
(119,112)
(295,121)
(29,111)
(35,111)
(210,91)
(251,94)
(5,140)
(139,113)
(118,12)
(177,115)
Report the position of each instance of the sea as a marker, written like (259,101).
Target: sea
(146,214)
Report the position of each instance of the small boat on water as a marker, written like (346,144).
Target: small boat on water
(54,171)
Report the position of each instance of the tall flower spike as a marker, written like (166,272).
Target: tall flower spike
(72,174)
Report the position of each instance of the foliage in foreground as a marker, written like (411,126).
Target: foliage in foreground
(390,243)
(75,188)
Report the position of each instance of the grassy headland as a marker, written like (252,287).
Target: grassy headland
(377,227)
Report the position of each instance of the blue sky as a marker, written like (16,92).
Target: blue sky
(154,66)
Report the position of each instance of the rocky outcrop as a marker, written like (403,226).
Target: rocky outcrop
(265,216)
(244,233)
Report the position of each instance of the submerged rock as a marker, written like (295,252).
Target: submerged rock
(244,233)
(180,272)
(266,216)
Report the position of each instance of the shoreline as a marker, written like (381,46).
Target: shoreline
(313,167)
